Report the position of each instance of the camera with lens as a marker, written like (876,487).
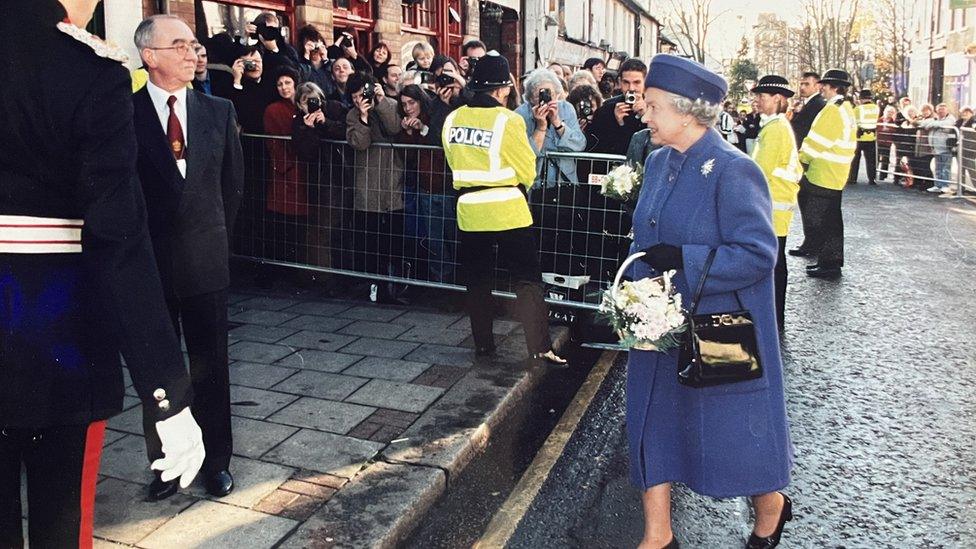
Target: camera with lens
(472,62)
(369,93)
(426,77)
(630,98)
(585,108)
(313,104)
(545,96)
(250,65)
(444,80)
(266,32)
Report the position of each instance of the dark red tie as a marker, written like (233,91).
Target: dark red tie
(174,132)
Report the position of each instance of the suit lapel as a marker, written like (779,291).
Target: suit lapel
(152,140)
(199,121)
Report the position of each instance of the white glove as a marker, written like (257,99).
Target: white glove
(182,448)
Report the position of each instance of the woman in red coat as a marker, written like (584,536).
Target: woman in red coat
(287,190)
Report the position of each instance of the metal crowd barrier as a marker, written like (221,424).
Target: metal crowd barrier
(966,158)
(388,214)
(921,158)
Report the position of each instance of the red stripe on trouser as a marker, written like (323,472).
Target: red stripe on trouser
(94,439)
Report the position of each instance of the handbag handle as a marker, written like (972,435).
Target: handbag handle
(701,285)
(623,268)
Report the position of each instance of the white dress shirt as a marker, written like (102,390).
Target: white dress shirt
(159,99)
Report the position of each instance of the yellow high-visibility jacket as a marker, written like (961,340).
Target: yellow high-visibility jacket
(866,116)
(829,148)
(489,147)
(776,155)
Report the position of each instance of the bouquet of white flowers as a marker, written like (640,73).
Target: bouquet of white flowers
(645,313)
(623,182)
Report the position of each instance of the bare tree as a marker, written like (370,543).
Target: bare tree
(893,43)
(824,41)
(689,22)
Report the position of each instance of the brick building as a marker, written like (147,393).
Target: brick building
(400,24)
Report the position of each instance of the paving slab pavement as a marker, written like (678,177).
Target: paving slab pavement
(349,420)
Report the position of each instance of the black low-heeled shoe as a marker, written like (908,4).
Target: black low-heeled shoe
(771,541)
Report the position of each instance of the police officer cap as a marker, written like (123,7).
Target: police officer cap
(490,73)
(865,94)
(773,84)
(685,78)
(836,77)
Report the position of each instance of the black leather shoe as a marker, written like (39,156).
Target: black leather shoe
(159,490)
(824,272)
(786,515)
(219,484)
(799,252)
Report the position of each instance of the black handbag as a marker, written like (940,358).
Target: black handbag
(718,348)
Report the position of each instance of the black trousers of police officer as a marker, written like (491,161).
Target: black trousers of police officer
(823,224)
(62,470)
(870,151)
(518,253)
(780,278)
(202,320)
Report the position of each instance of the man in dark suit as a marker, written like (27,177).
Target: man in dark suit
(191,167)
(813,103)
(78,282)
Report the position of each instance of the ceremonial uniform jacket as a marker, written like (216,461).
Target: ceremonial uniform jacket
(829,148)
(488,147)
(78,282)
(776,155)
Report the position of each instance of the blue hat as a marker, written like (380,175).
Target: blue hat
(686,78)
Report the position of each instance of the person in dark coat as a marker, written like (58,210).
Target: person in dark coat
(619,118)
(78,283)
(192,170)
(252,91)
(813,103)
(702,196)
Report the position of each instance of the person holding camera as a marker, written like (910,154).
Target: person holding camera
(378,182)
(315,63)
(586,100)
(620,117)
(551,126)
(275,50)
(471,52)
(389,77)
(251,92)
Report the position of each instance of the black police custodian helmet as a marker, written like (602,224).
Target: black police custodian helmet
(836,77)
(490,73)
(865,94)
(772,83)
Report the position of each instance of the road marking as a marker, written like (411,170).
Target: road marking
(508,517)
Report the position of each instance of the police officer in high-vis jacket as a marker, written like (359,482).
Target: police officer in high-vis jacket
(826,153)
(776,155)
(78,282)
(493,166)
(866,116)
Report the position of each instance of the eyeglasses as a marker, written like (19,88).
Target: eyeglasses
(182,48)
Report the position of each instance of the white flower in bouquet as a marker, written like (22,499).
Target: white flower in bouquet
(622,183)
(645,313)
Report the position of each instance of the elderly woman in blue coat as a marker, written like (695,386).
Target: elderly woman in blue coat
(702,194)
(552,125)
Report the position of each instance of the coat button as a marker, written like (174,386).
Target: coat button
(653,222)
(164,405)
(671,178)
(159,394)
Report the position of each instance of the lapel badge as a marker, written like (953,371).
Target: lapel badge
(707,166)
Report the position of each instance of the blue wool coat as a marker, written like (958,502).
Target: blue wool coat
(729,440)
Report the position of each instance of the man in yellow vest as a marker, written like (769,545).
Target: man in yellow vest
(488,150)
(827,152)
(776,155)
(866,116)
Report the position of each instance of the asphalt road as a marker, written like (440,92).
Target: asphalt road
(881,393)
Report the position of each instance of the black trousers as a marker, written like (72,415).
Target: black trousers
(517,252)
(62,470)
(885,161)
(870,151)
(204,329)
(823,224)
(780,275)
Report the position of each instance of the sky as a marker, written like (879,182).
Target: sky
(726,33)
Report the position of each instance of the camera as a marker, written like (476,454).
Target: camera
(545,96)
(585,108)
(250,66)
(630,98)
(426,77)
(445,80)
(313,104)
(369,93)
(472,62)
(266,32)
